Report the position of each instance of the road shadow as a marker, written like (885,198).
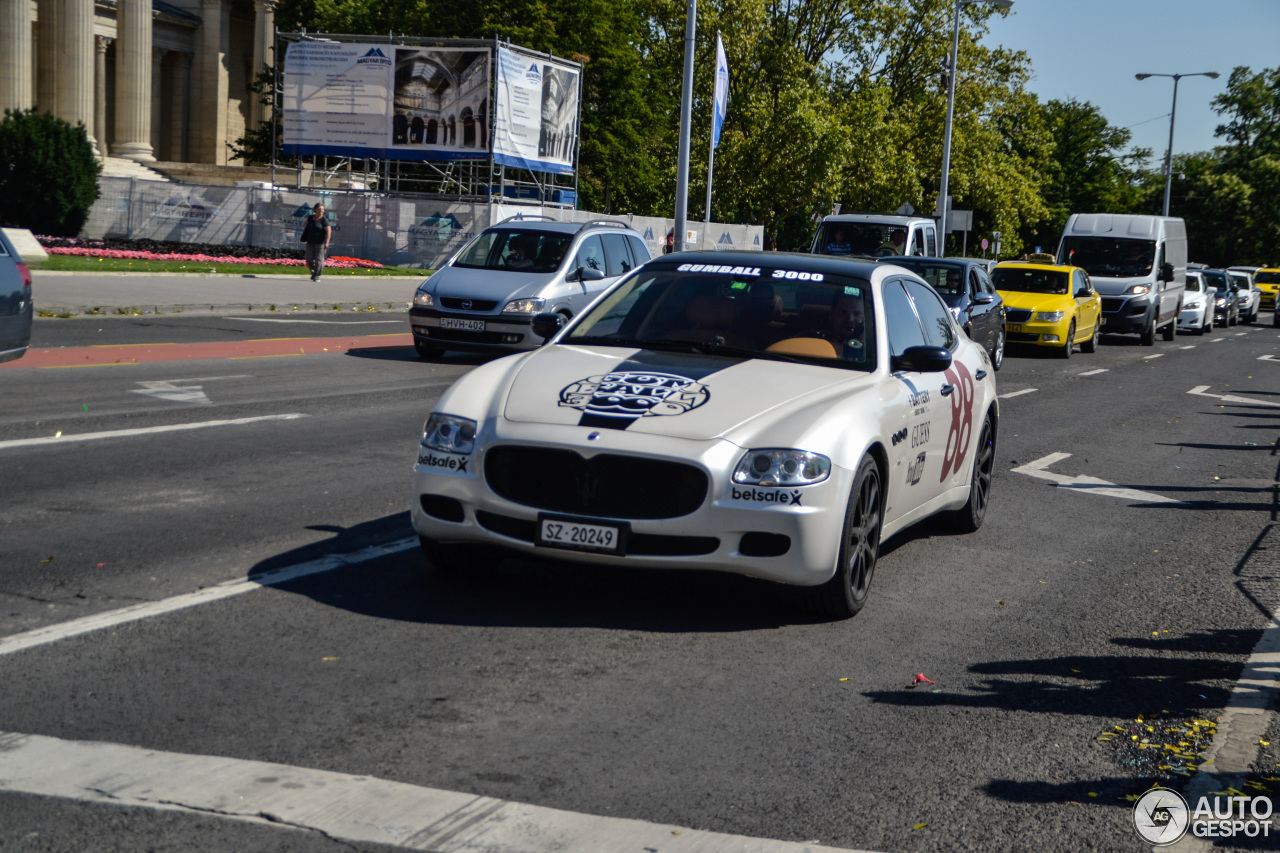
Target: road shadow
(520,592)
(408,353)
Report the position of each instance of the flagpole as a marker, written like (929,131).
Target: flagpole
(686,109)
(711,165)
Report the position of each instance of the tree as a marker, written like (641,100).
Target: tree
(48,173)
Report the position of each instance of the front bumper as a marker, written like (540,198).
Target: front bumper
(1222,314)
(1192,318)
(497,331)
(461,507)
(1267,300)
(1037,333)
(1125,314)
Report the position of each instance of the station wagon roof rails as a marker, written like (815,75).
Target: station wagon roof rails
(611,223)
(523,216)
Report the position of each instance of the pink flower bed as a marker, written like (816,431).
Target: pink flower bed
(338,261)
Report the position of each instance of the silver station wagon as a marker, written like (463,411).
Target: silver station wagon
(485,297)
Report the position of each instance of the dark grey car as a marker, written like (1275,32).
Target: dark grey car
(964,285)
(15,303)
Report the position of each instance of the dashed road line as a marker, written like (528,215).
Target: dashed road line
(137,612)
(1188,346)
(339,805)
(127,433)
(1217,340)
(1093,372)
(1016,393)
(1149,357)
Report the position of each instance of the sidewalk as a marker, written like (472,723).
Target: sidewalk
(77,293)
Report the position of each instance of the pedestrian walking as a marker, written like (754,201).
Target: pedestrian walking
(316,234)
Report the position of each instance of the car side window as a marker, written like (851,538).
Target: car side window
(639,251)
(975,286)
(900,319)
(590,254)
(617,254)
(934,316)
(985,281)
(930,244)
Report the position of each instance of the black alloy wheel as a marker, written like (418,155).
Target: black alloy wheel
(846,592)
(1065,350)
(1091,345)
(969,518)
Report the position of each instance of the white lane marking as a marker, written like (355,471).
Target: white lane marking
(1084,483)
(1202,391)
(126,433)
(76,627)
(1149,357)
(1016,393)
(1217,340)
(1268,358)
(172,392)
(1093,372)
(313,322)
(1189,346)
(361,809)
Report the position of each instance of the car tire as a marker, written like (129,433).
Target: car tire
(997,352)
(1248,319)
(1149,334)
(1091,345)
(969,518)
(1233,321)
(1065,350)
(1169,330)
(1275,318)
(457,558)
(845,594)
(427,352)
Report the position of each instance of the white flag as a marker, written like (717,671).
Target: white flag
(722,92)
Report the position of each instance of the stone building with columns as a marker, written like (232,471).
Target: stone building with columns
(149,79)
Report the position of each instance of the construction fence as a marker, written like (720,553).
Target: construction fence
(407,231)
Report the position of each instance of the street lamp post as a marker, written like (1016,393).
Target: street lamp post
(951,108)
(1168,154)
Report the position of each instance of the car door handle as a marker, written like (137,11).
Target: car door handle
(980,375)
(947,389)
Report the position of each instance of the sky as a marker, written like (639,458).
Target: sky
(1090,50)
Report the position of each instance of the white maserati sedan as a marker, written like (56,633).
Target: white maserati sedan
(767,414)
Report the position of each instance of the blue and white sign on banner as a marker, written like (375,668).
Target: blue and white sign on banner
(536,124)
(722,92)
(379,100)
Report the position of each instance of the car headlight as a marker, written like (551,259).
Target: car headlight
(1191,304)
(1222,302)
(449,434)
(524,306)
(422,299)
(1138,288)
(772,467)
(1049,316)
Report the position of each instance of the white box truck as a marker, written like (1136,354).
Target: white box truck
(1138,264)
(877,235)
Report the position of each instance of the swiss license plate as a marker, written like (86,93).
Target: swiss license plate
(581,535)
(465,325)
(1015,327)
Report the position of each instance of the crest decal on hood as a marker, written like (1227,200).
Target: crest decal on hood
(616,400)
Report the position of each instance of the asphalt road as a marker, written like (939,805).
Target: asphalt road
(702,701)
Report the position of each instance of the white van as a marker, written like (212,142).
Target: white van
(1137,263)
(877,235)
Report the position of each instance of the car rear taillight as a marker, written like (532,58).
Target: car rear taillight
(25,272)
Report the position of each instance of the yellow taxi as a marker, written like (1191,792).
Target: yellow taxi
(1267,280)
(1049,304)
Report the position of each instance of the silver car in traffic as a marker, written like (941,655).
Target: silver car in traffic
(485,297)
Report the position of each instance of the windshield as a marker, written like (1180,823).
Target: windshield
(862,238)
(1029,280)
(1267,277)
(1193,284)
(1215,279)
(755,312)
(947,279)
(1240,280)
(1108,256)
(520,251)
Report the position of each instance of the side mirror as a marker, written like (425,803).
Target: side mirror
(547,325)
(590,274)
(1166,272)
(983,298)
(922,360)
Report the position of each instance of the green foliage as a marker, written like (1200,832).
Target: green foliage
(48,174)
